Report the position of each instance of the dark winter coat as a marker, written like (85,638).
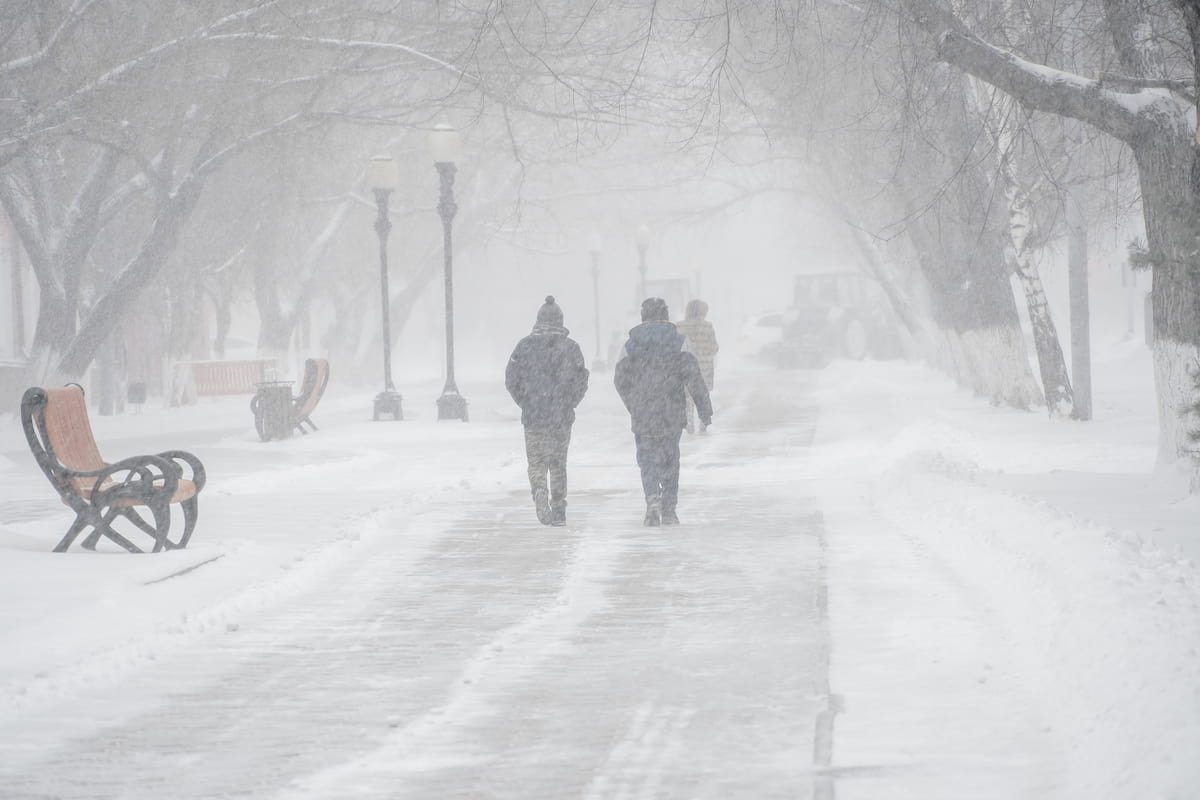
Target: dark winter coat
(651,375)
(546,377)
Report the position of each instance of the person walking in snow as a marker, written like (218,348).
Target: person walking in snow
(653,374)
(547,378)
(702,341)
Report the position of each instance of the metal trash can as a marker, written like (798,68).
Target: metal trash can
(272,407)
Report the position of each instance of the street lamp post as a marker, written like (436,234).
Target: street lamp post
(642,237)
(598,361)
(384,176)
(446,148)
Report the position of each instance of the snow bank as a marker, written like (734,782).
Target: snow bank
(1096,625)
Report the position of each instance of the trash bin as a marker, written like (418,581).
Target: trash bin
(272,407)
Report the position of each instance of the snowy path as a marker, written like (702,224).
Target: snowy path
(457,649)
(855,607)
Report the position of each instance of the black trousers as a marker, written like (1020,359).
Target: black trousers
(658,458)
(546,453)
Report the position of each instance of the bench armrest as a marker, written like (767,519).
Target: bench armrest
(198,477)
(143,478)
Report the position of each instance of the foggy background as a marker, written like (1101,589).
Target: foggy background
(189,182)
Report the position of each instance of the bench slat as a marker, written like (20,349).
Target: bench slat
(70,432)
(213,378)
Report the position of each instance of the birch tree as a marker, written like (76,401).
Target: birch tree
(1149,107)
(997,113)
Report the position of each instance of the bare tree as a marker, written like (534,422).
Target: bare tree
(1149,108)
(124,125)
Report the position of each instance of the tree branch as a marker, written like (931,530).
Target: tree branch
(28,62)
(1042,88)
(1123,83)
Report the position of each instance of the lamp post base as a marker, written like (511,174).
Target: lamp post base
(388,403)
(452,405)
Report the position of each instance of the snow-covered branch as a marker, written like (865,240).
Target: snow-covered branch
(348,46)
(73,18)
(1042,88)
(1124,83)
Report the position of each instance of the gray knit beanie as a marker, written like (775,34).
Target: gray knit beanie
(550,313)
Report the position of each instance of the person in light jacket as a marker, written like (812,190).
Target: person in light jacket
(653,375)
(547,378)
(702,341)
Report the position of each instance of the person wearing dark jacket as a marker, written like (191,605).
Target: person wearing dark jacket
(547,378)
(653,375)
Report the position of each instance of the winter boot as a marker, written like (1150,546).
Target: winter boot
(653,511)
(541,504)
(669,517)
(558,515)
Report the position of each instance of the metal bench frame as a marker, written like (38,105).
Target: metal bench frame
(140,489)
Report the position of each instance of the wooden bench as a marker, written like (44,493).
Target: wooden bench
(212,378)
(276,415)
(137,492)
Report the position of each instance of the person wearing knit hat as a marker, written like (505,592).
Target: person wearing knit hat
(547,378)
(653,376)
(550,313)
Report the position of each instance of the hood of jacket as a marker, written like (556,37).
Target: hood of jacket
(653,338)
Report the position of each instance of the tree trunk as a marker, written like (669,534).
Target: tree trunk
(1056,384)
(220,291)
(1170,210)
(996,112)
(128,285)
(1160,130)
(53,331)
(971,302)
(1081,327)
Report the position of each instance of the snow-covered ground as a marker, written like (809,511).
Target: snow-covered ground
(1000,565)
(993,603)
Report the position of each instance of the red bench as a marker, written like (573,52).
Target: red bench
(213,378)
(134,494)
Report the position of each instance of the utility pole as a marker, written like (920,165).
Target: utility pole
(1077,272)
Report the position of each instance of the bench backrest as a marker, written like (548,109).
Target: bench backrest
(59,432)
(316,378)
(229,377)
